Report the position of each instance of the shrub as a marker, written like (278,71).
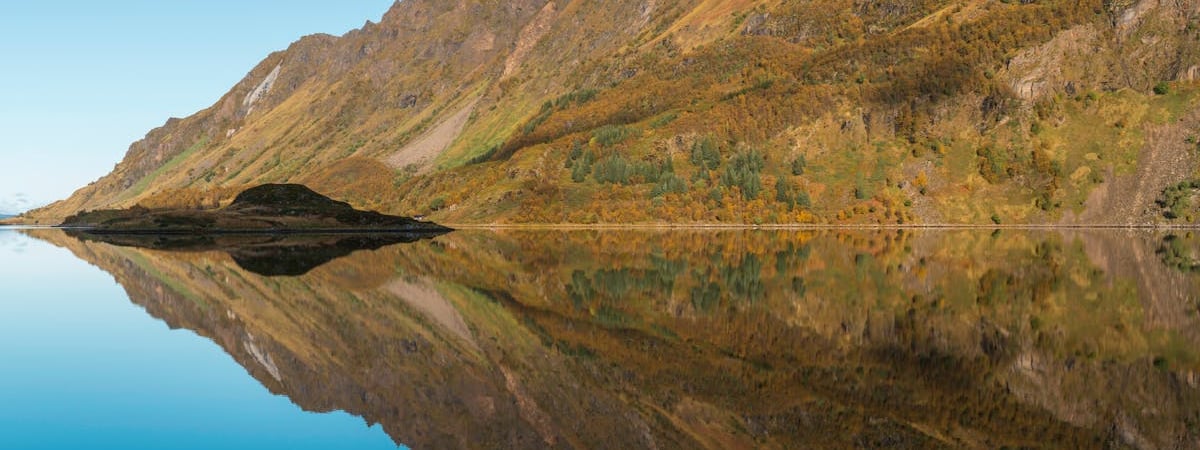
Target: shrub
(798,165)
(485,156)
(1175,200)
(994,164)
(1162,88)
(1161,363)
(610,135)
(578,98)
(664,120)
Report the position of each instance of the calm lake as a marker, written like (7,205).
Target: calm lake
(602,339)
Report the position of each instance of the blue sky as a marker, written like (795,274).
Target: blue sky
(81,80)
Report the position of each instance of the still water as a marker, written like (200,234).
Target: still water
(603,339)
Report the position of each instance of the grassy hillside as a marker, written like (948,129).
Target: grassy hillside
(827,111)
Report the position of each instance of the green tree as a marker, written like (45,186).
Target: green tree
(580,168)
(743,172)
(791,195)
(705,154)
(614,169)
(798,165)
(669,183)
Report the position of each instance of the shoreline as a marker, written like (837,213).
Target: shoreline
(631,227)
(250,232)
(814,227)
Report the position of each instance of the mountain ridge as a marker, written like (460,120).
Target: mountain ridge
(569,112)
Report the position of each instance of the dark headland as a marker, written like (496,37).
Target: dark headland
(269,208)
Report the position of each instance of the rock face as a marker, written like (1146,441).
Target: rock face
(266,208)
(574,111)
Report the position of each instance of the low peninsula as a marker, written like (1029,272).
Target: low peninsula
(269,208)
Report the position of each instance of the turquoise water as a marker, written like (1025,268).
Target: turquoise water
(83,367)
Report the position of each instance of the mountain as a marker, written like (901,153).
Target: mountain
(827,111)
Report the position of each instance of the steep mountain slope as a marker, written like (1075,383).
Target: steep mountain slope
(842,111)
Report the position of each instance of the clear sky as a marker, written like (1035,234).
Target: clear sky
(82,79)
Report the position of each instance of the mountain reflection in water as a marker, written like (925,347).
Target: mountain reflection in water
(291,254)
(713,339)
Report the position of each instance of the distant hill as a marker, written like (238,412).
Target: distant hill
(12,205)
(829,111)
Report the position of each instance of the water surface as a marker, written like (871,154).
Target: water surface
(608,339)
(84,367)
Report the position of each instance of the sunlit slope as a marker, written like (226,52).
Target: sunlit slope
(828,111)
